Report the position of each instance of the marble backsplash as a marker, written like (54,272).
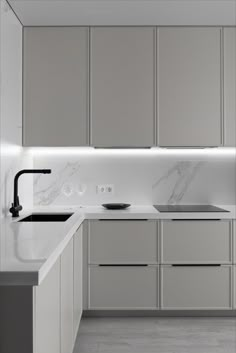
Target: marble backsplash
(145,178)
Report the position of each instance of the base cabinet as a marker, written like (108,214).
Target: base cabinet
(50,312)
(47,313)
(130,287)
(78,279)
(196,288)
(189,265)
(67,334)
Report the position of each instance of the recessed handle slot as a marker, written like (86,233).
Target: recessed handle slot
(123,265)
(193,219)
(122,219)
(196,265)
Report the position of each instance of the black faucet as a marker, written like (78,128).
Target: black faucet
(16,207)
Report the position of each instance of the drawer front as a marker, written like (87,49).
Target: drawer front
(196,242)
(196,287)
(234,288)
(129,242)
(123,287)
(234,240)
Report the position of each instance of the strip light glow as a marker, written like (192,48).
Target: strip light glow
(62,151)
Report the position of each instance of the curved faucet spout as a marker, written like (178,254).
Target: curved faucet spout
(16,207)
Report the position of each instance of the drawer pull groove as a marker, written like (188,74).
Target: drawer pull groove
(122,265)
(196,265)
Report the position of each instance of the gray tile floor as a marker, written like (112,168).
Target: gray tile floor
(156,335)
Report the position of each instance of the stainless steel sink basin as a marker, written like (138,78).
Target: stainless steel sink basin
(47,217)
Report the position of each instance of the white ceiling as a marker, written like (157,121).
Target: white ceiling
(125,12)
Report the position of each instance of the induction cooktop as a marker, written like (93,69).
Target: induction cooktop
(188,208)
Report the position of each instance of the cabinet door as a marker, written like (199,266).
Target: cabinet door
(67,337)
(123,287)
(55,86)
(114,242)
(47,313)
(78,279)
(196,241)
(122,87)
(234,241)
(189,92)
(230,85)
(196,287)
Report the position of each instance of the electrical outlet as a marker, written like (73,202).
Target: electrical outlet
(105,189)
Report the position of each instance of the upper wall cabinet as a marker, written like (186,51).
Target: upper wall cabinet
(55,86)
(189,87)
(122,86)
(230,86)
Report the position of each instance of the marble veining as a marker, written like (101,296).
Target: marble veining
(144,179)
(183,174)
(47,195)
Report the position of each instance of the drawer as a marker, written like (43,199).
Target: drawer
(122,287)
(129,242)
(190,288)
(234,288)
(234,240)
(196,242)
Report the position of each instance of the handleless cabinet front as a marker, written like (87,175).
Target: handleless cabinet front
(78,279)
(47,313)
(67,338)
(230,86)
(55,86)
(125,287)
(123,242)
(122,86)
(189,86)
(196,241)
(204,287)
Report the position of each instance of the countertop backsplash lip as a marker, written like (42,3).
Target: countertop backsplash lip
(29,250)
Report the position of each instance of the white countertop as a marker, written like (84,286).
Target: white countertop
(29,250)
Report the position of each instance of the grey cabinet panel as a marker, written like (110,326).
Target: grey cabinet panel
(230,86)
(234,288)
(122,86)
(189,86)
(55,86)
(196,242)
(196,287)
(47,313)
(234,241)
(123,242)
(67,334)
(78,280)
(123,287)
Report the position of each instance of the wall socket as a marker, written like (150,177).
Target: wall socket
(105,189)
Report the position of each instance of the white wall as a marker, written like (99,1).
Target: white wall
(13,156)
(139,176)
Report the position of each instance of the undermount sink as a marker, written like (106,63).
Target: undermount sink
(47,217)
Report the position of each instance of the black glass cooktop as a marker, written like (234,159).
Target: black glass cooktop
(189,208)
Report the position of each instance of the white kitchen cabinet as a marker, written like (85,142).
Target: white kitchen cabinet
(55,86)
(230,86)
(78,280)
(122,86)
(67,330)
(189,86)
(123,241)
(196,241)
(195,288)
(123,287)
(47,313)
